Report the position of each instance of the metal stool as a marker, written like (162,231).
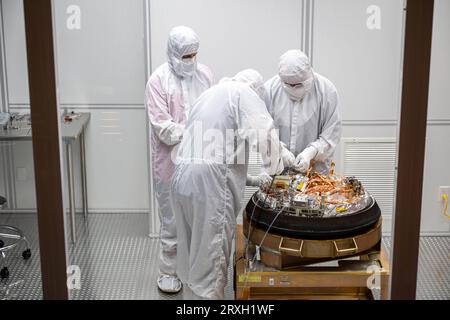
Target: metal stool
(11,237)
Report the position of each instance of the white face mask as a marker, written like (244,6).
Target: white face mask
(189,66)
(299,91)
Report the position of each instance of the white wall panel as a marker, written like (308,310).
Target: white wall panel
(439,102)
(116,160)
(364,64)
(103,61)
(15,51)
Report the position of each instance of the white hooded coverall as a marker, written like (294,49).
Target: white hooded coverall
(207,188)
(314,120)
(169,94)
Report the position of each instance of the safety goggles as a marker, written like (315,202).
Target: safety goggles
(300,84)
(189,56)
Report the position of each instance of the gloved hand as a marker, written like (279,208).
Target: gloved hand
(259,180)
(265,178)
(177,133)
(303,160)
(287,157)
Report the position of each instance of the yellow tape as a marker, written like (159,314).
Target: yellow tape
(249,278)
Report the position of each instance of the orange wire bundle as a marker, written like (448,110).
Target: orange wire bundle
(320,184)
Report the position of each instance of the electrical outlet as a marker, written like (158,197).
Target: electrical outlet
(444,190)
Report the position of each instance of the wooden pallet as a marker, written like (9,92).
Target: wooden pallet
(347,280)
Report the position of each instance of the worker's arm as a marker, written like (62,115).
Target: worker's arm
(257,127)
(331,128)
(167,130)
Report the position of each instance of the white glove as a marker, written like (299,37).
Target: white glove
(265,178)
(287,157)
(168,131)
(177,134)
(303,160)
(259,180)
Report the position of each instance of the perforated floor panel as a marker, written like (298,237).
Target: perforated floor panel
(118,260)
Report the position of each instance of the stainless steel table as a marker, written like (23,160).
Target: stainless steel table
(70,131)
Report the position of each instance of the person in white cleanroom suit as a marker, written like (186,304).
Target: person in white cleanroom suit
(169,95)
(208,185)
(305,109)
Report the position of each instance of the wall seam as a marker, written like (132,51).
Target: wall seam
(153,209)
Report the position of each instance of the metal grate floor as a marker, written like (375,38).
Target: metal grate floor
(118,260)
